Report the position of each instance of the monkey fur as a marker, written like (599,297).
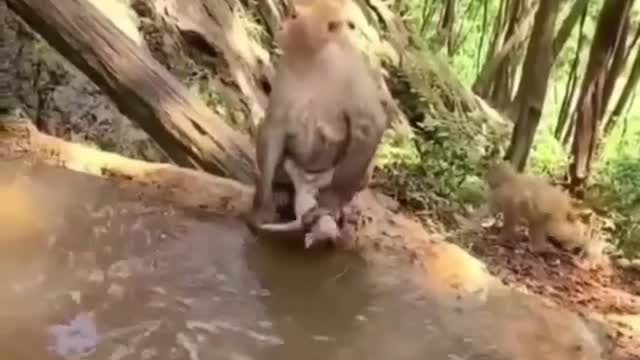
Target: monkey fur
(546,210)
(325,111)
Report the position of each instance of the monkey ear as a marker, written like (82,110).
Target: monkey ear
(292,12)
(334,26)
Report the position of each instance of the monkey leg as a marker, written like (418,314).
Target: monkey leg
(539,242)
(508,231)
(270,147)
(266,213)
(347,237)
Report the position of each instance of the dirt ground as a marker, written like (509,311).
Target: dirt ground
(606,292)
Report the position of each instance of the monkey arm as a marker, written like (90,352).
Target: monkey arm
(365,132)
(270,144)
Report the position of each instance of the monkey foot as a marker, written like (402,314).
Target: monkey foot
(543,248)
(257,217)
(347,238)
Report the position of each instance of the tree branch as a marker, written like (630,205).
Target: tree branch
(143,90)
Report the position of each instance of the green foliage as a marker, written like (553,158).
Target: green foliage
(436,170)
(616,188)
(468,33)
(439,160)
(548,155)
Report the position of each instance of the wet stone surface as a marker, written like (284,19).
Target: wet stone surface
(101,275)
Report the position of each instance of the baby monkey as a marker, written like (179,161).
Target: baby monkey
(322,225)
(545,209)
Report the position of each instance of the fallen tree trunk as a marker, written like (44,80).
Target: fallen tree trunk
(143,89)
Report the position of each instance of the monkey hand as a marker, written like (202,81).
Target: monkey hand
(262,215)
(319,225)
(346,240)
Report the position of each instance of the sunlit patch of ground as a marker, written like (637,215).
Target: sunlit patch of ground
(18,213)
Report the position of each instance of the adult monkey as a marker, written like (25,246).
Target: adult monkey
(325,110)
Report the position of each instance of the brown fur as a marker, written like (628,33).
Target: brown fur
(545,209)
(324,110)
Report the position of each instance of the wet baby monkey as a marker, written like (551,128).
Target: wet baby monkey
(545,209)
(325,116)
(319,225)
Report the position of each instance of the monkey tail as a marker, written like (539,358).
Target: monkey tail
(294,225)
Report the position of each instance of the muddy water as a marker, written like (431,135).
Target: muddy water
(102,275)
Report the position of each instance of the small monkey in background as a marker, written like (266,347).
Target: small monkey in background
(546,210)
(325,110)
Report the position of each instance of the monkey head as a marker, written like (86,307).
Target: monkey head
(499,173)
(309,26)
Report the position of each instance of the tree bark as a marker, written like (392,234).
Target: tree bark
(630,85)
(577,10)
(492,81)
(485,21)
(565,119)
(447,23)
(592,101)
(519,35)
(617,63)
(532,91)
(143,90)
